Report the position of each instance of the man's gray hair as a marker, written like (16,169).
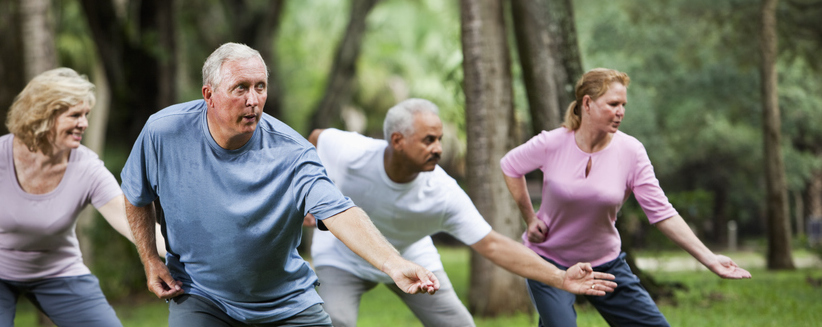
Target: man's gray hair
(227,52)
(400,118)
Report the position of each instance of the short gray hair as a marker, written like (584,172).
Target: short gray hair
(212,67)
(400,118)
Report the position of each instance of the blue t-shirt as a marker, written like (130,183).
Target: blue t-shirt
(233,217)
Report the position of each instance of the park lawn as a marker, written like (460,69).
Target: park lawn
(769,299)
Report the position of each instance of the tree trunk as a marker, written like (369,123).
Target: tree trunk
(566,50)
(720,212)
(489,127)
(813,205)
(257,27)
(340,85)
(779,237)
(535,46)
(138,60)
(11,62)
(799,213)
(39,51)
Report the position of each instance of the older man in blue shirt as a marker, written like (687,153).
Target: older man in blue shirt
(235,184)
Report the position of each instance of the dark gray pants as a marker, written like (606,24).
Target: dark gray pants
(628,305)
(341,291)
(193,310)
(67,301)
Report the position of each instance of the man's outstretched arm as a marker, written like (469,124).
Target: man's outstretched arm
(355,230)
(516,258)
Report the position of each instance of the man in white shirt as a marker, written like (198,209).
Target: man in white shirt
(409,197)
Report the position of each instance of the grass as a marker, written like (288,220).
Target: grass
(781,299)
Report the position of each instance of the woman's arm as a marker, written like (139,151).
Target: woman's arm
(537,230)
(678,231)
(114,211)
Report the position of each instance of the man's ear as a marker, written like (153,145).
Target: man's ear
(208,92)
(396,139)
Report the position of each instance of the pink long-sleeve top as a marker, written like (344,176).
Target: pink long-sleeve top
(580,211)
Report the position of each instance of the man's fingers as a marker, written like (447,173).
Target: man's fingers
(163,291)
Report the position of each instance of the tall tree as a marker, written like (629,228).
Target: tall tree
(779,236)
(489,112)
(535,46)
(562,25)
(11,62)
(138,51)
(340,85)
(39,52)
(256,24)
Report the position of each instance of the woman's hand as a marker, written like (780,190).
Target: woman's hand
(727,268)
(537,231)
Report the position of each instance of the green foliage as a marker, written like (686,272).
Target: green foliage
(694,100)
(75,48)
(308,36)
(694,206)
(412,49)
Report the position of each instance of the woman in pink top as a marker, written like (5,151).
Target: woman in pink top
(46,179)
(590,168)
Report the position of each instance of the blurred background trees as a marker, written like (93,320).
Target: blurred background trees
(695,100)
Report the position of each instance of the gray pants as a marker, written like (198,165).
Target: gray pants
(193,310)
(67,301)
(341,291)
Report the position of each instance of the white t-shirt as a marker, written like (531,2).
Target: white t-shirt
(405,213)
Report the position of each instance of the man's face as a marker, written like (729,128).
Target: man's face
(423,147)
(237,103)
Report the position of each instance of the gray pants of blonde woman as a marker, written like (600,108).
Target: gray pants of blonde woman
(67,301)
(341,291)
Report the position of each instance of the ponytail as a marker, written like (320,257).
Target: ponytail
(573,117)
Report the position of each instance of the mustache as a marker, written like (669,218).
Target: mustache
(435,156)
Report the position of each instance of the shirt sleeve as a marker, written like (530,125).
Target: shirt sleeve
(138,176)
(647,191)
(462,219)
(314,190)
(526,157)
(337,148)
(104,186)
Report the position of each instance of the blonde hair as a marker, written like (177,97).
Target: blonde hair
(594,84)
(34,111)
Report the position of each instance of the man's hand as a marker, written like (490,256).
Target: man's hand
(160,281)
(582,279)
(410,277)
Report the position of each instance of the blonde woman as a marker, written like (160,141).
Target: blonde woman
(46,178)
(590,168)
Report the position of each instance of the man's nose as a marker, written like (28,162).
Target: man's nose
(437,147)
(252,99)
